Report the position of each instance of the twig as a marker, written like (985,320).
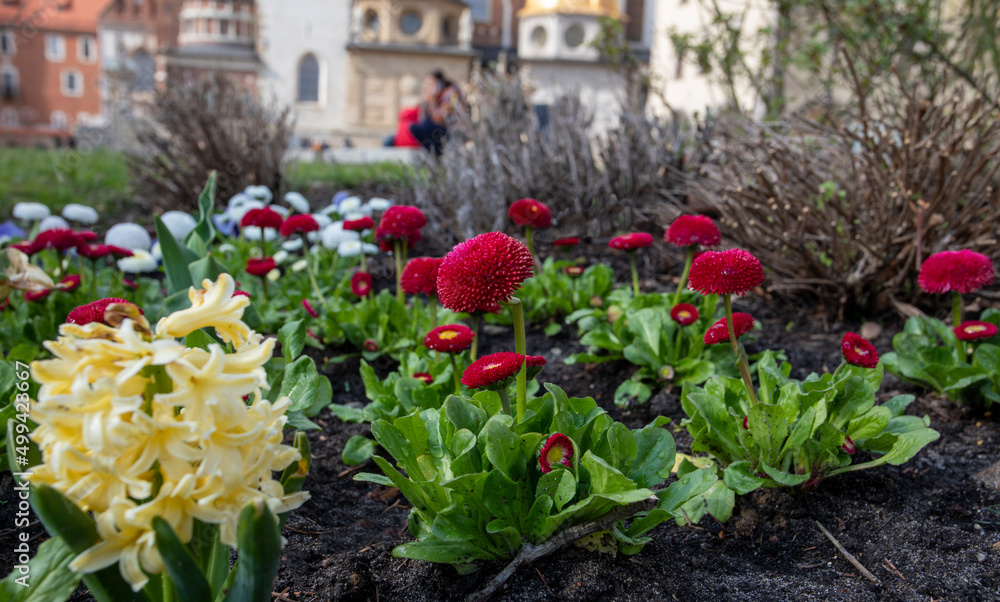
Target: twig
(544,582)
(850,557)
(530,553)
(893,567)
(348,471)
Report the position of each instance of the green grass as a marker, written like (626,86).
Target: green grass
(58,177)
(302,174)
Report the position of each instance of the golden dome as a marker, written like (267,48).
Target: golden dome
(601,8)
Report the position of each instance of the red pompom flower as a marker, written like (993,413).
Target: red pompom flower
(690,230)
(299,223)
(858,351)
(357,225)
(483,271)
(420,275)
(94,312)
(450,338)
(558,449)
(960,271)
(361,284)
(971,330)
(59,239)
(93,251)
(725,272)
(70,282)
(631,241)
(241,294)
(684,314)
(531,213)
(262,218)
(309,308)
(260,267)
(574,270)
(399,222)
(423,377)
(719,332)
(566,243)
(120,252)
(36,295)
(493,371)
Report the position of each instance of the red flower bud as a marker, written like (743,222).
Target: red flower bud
(632,241)
(848,445)
(719,332)
(558,449)
(309,308)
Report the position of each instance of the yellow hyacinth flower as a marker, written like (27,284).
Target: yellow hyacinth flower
(133,425)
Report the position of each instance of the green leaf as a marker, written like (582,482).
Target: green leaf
(632,391)
(535,526)
(553,329)
(559,485)
(464,415)
(206,268)
(358,450)
(175,259)
(870,424)
(654,457)
(48,577)
(503,446)
(451,552)
(300,384)
(205,228)
(905,447)
(454,526)
(605,478)
(785,478)
(260,553)
(647,324)
(200,339)
(183,570)
(292,337)
(739,478)
(685,488)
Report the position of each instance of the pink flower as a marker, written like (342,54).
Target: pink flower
(558,449)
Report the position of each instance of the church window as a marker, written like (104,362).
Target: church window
(539,36)
(371,21)
(308,79)
(574,36)
(411,22)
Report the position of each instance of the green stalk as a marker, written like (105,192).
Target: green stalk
(263,281)
(520,346)
(309,268)
(529,238)
(741,358)
(684,274)
(93,277)
(398,246)
(263,245)
(454,371)
(475,337)
(434,309)
(169,594)
(956,319)
(504,400)
(364,258)
(635,273)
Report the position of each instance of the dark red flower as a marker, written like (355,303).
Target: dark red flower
(371,345)
(534,363)
(70,282)
(28,247)
(719,332)
(120,252)
(531,213)
(961,271)
(420,275)
(130,284)
(299,223)
(483,271)
(264,217)
(858,351)
(357,225)
(566,243)
(848,445)
(399,222)
(309,308)
(260,267)
(241,294)
(971,330)
(690,230)
(59,239)
(93,251)
(558,449)
(424,377)
(450,338)
(631,241)
(574,270)
(725,272)
(746,422)
(36,295)
(361,284)
(87,235)
(493,371)
(684,314)
(386,244)
(94,312)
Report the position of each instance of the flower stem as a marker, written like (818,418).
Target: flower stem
(398,246)
(454,372)
(741,358)
(635,273)
(263,282)
(364,258)
(475,337)
(529,238)
(434,309)
(520,346)
(956,320)
(309,267)
(684,274)
(504,400)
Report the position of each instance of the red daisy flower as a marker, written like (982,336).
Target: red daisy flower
(264,217)
(483,271)
(28,247)
(719,332)
(961,271)
(93,251)
(120,252)
(424,376)
(971,330)
(690,230)
(420,275)
(493,371)
(299,223)
(260,267)
(69,282)
(858,351)
(386,244)
(848,445)
(574,270)
(357,225)
(59,239)
(130,284)
(371,345)
(399,222)
(87,235)
(36,295)
(631,241)
(684,314)
(309,308)
(241,294)
(558,449)
(361,284)
(746,422)
(566,243)
(531,213)
(450,338)
(94,312)
(725,272)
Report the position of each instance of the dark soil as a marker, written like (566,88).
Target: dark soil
(927,530)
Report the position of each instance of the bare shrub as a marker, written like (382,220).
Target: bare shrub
(848,213)
(593,186)
(213,123)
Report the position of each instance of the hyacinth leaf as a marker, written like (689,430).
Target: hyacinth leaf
(206,268)
(62,518)
(654,457)
(738,477)
(183,570)
(176,259)
(294,475)
(205,228)
(292,337)
(50,577)
(260,553)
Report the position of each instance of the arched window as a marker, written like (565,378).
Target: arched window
(308,79)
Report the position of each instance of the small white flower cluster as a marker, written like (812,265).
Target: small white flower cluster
(352,207)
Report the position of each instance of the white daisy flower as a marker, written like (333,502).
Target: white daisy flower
(350,248)
(350,204)
(31,212)
(298,202)
(237,212)
(322,219)
(261,193)
(355,215)
(292,244)
(253,233)
(128,235)
(225,248)
(140,263)
(282,211)
(379,204)
(51,223)
(179,223)
(80,214)
(300,265)
(334,234)
(280,257)
(238,199)
(371,249)
(156,252)
(273,275)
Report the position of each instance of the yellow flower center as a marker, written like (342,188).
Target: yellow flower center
(975,328)
(491,367)
(555,454)
(448,335)
(684,315)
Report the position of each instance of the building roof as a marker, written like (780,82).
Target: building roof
(602,8)
(53,15)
